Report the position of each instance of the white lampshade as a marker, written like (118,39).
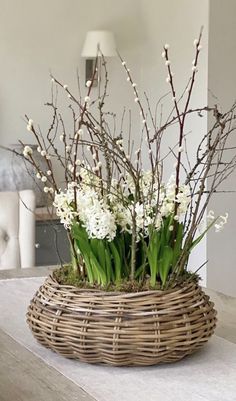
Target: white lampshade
(103,40)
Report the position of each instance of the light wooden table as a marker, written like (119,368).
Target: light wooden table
(25,377)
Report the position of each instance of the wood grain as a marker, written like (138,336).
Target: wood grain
(24,377)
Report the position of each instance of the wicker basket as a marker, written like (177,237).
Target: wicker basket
(143,328)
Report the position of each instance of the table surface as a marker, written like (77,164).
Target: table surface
(25,377)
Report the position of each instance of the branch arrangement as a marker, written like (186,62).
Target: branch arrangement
(124,222)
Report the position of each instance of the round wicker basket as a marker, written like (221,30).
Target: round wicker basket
(122,329)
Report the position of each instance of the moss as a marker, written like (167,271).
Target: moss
(67,276)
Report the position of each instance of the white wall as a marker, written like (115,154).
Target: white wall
(39,36)
(221,247)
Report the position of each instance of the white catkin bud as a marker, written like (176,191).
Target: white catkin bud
(27,151)
(38,175)
(134,84)
(68,148)
(128,79)
(87,99)
(65,86)
(51,190)
(88,84)
(44,179)
(46,189)
(167,46)
(62,137)
(49,172)
(199,48)
(167,62)
(195,42)
(123,62)
(69,96)
(99,164)
(52,80)
(163,54)
(48,157)
(39,149)
(43,153)
(168,79)
(80,132)
(136,100)
(171,228)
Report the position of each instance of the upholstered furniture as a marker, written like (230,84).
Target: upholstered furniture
(17,229)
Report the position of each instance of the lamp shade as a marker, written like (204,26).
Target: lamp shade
(102,40)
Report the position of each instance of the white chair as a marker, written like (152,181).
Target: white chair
(17,229)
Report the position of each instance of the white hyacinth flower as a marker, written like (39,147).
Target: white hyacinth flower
(221,221)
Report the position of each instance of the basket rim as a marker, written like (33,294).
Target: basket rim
(185,287)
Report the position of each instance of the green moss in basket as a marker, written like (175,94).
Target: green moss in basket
(66,275)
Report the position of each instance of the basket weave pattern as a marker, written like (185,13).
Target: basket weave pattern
(122,329)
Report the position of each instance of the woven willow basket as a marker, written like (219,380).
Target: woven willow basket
(143,328)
